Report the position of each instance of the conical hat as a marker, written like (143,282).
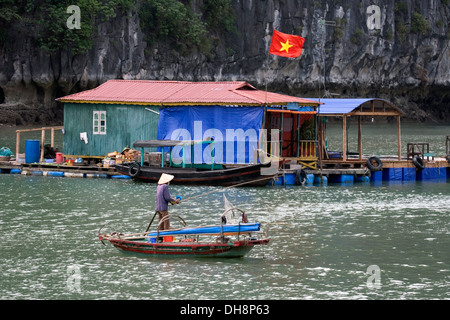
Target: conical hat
(165,178)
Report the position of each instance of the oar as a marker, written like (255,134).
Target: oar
(148,228)
(206,193)
(151,221)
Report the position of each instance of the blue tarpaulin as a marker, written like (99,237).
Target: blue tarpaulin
(393,174)
(341,106)
(409,174)
(5,152)
(242,228)
(235,131)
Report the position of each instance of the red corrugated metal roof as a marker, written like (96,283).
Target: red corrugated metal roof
(180,92)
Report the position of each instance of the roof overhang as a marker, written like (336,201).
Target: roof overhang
(372,107)
(179,93)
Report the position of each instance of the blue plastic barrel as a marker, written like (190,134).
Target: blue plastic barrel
(32,151)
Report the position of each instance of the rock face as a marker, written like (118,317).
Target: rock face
(397,50)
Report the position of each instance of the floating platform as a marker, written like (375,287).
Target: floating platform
(343,173)
(60,170)
(350,172)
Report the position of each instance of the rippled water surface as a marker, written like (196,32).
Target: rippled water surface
(323,239)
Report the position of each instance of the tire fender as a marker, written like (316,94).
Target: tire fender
(134,170)
(374,167)
(300,177)
(418,163)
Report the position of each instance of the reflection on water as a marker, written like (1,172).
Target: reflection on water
(323,239)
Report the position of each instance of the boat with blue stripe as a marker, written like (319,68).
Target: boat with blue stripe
(224,240)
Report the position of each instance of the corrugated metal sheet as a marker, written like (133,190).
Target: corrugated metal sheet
(180,92)
(264,97)
(125,124)
(345,106)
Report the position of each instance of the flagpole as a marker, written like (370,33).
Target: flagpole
(324,23)
(266,147)
(288,46)
(267,60)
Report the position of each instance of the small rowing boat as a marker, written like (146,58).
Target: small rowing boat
(224,240)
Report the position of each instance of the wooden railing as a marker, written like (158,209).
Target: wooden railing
(307,150)
(419,149)
(52,139)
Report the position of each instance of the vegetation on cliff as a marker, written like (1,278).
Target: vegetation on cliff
(405,58)
(176,22)
(46,21)
(161,20)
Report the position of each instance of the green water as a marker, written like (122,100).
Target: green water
(323,241)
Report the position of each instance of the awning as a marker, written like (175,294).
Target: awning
(165,143)
(292,112)
(372,107)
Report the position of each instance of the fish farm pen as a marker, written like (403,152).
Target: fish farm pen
(419,165)
(393,170)
(231,124)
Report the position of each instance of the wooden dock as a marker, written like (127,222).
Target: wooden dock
(356,170)
(50,169)
(333,171)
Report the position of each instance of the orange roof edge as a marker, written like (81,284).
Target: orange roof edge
(169,92)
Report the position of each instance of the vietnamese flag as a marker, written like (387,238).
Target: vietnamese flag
(286,45)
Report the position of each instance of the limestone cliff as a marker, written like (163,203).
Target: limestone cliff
(404,56)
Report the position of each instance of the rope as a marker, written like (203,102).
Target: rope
(220,190)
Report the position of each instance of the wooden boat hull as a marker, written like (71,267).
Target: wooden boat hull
(234,249)
(250,175)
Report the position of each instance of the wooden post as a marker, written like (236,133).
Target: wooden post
(359,138)
(316,144)
(323,139)
(399,139)
(52,137)
(344,138)
(17,144)
(320,144)
(42,144)
(281,134)
(447,146)
(298,135)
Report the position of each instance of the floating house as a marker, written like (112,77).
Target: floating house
(237,116)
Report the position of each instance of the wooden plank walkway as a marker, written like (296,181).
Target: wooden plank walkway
(30,167)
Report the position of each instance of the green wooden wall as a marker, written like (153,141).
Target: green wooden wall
(125,124)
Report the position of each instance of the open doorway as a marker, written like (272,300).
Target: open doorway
(297,132)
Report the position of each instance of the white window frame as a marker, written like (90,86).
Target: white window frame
(97,127)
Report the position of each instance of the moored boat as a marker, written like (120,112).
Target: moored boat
(191,174)
(224,240)
(250,175)
(235,249)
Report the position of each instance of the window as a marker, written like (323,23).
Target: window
(99,123)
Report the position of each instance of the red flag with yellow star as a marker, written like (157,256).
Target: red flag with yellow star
(286,45)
